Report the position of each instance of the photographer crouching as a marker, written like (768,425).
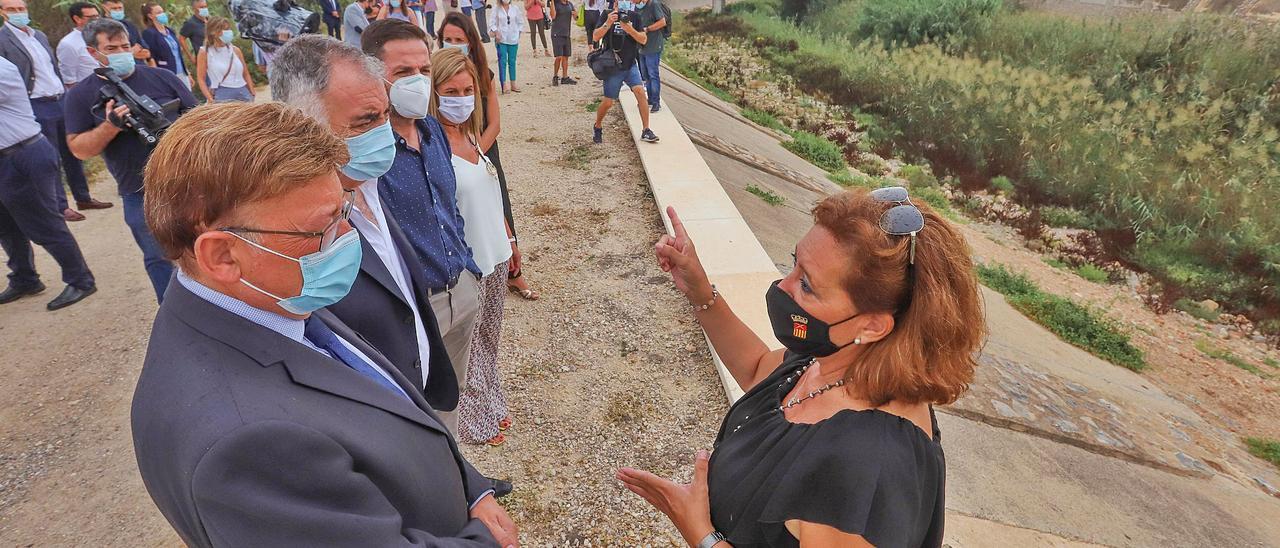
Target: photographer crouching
(120,113)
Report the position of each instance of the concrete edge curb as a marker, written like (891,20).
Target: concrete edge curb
(732,256)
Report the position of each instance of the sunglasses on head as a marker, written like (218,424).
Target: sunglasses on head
(903,219)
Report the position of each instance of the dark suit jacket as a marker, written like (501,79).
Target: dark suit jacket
(327,6)
(377,310)
(13,50)
(247,438)
(154,41)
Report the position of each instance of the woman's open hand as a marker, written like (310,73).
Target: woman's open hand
(677,256)
(688,505)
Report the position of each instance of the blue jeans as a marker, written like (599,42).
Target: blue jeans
(159,269)
(225,94)
(507,62)
(613,84)
(431,23)
(650,69)
(29,185)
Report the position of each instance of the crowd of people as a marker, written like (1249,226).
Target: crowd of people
(332,268)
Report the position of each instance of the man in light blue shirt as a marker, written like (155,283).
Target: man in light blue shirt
(28,207)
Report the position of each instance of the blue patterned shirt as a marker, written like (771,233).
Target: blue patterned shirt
(421,192)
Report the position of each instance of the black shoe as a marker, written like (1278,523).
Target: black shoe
(648,136)
(501,488)
(555,80)
(11,293)
(69,296)
(568,81)
(486,40)
(655,108)
(598,136)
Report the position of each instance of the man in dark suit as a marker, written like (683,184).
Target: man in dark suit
(29,49)
(261,419)
(331,12)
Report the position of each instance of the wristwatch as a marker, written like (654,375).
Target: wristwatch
(713,538)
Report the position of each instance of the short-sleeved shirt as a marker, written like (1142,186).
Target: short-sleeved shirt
(193,31)
(868,473)
(562,24)
(652,13)
(626,46)
(421,191)
(127,154)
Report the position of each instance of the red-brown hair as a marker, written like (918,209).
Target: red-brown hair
(939,323)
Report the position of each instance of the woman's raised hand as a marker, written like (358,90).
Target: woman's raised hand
(677,256)
(687,504)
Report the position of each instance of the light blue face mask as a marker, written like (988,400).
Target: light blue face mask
(372,153)
(395,3)
(227,37)
(624,5)
(163,19)
(118,15)
(204,12)
(327,274)
(20,20)
(466,49)
(122,63)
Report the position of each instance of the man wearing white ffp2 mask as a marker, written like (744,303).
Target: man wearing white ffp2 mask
(411,95)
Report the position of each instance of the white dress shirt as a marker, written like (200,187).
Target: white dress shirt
(74,60)
(288,327)
(47,84)
(17,122)
(379,239)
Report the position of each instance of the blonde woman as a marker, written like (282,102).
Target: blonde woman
(482,407)
(221,71)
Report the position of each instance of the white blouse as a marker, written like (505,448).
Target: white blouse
(218,61)
(480,203)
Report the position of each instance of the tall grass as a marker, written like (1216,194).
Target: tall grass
(1175,167)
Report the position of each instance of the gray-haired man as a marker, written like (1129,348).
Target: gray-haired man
(390,302)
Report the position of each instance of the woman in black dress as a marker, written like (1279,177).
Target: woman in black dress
(835,442)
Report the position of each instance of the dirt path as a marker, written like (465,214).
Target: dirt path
(591,385)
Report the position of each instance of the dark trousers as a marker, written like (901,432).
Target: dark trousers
(430,18)
(49,115)
(482,24)
(334,25)
(159,269)
(590,20)
(28,183)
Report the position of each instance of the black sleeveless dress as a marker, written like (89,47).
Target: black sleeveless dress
(869,472)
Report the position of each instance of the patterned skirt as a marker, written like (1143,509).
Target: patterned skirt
(482,403)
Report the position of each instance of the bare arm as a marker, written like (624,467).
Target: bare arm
(659,25)
(91,143)
(490,135)
(742,352)
(248,78)
(202,72)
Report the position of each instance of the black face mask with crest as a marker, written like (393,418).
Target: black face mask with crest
(798,330)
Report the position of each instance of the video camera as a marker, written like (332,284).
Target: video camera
(146,118)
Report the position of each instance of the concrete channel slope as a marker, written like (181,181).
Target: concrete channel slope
(1012,482)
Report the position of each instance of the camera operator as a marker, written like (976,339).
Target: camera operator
(618,33)
(95,127)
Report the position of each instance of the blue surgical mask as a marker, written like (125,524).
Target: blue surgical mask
(227,36)
(395,3)
(122,63)
(625,5)
(372,153)
(641,5)
(466,49)
(327,274)
(20,20)
(118,15)
(163,19)
(204,12)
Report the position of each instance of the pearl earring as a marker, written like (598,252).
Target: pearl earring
(857,340)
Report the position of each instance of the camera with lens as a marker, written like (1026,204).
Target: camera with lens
(147,119)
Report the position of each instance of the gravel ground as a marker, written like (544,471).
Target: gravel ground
(608,369)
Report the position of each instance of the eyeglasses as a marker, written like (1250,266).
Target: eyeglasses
(327,236)
(903,219)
